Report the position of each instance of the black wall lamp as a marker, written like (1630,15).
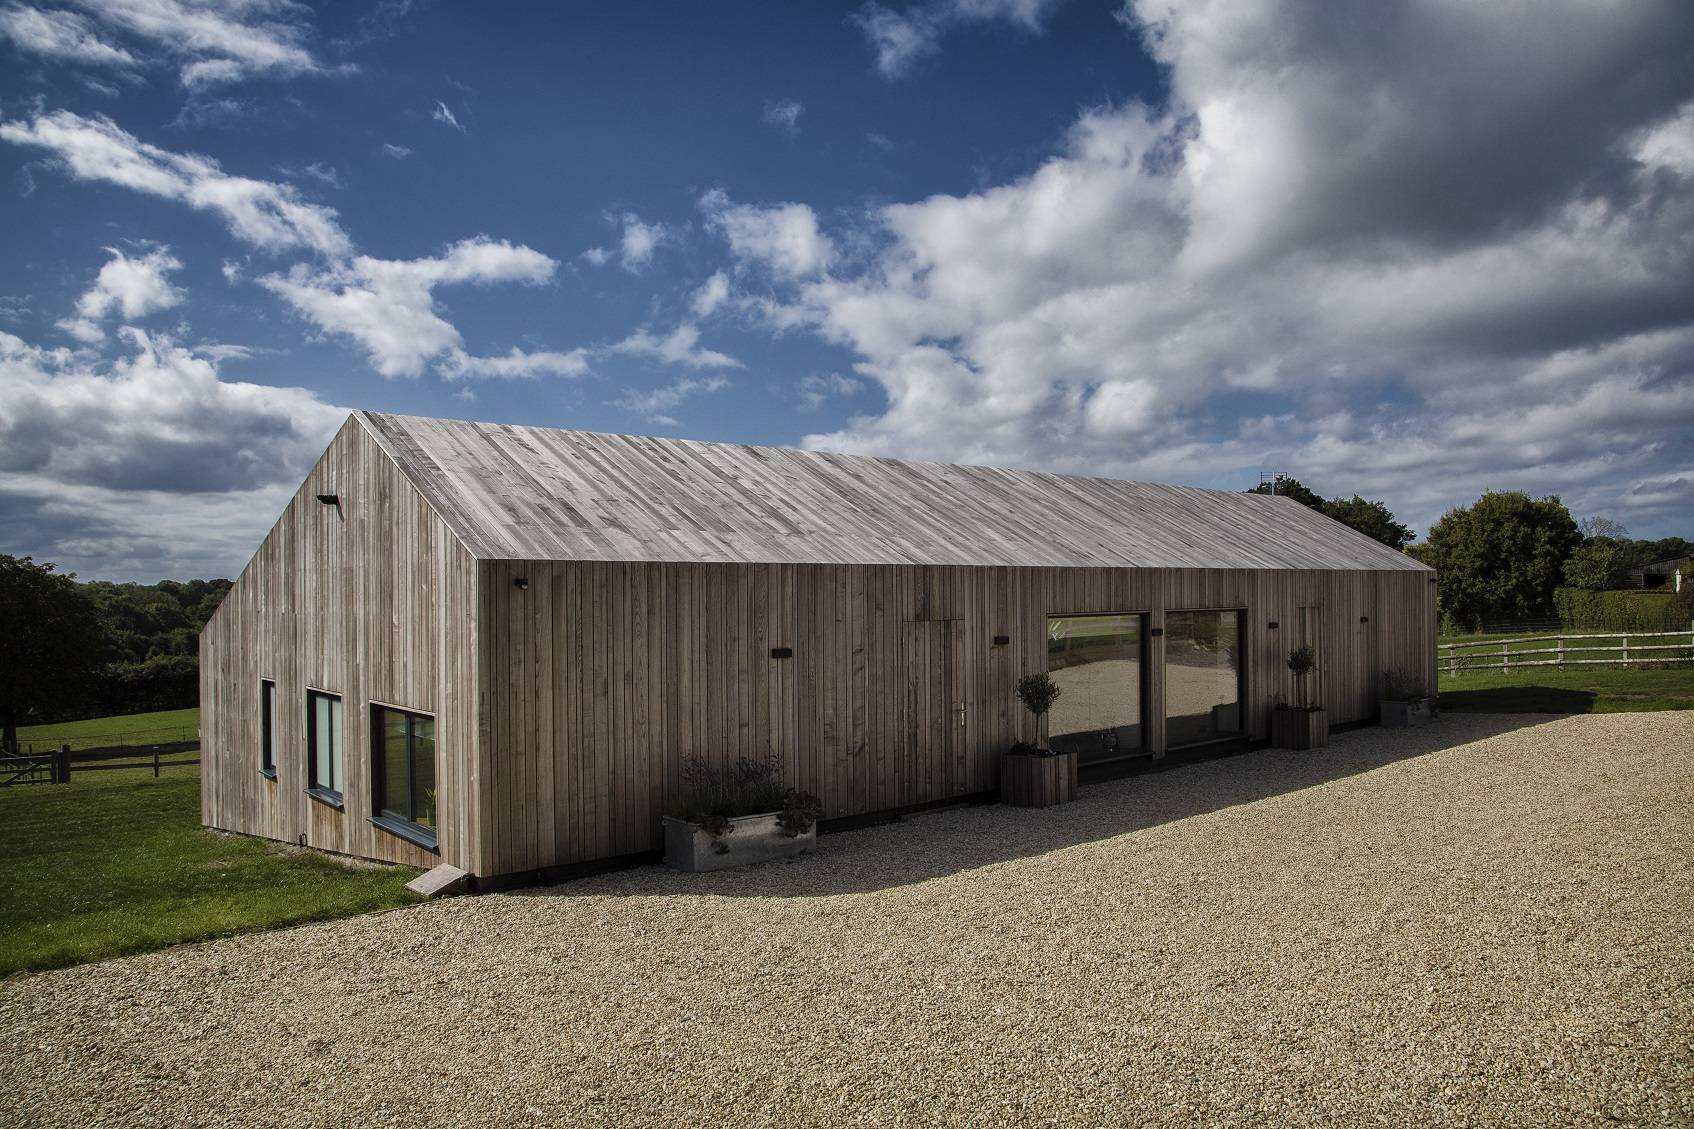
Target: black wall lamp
(1273,625)
(1157,631)
(782,652)
(330,499)
(1002,640)
(521,583)
(1364,619)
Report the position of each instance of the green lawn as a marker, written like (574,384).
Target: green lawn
(1571,690)
(117,862)
(122,729)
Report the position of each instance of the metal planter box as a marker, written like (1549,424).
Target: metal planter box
(1299,729)
(750,839)
(1405,714)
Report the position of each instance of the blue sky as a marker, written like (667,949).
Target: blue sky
(1413,251)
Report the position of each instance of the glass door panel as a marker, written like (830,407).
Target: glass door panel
(1202,677)
(1097,662)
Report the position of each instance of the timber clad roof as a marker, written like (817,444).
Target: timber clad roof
(531,493)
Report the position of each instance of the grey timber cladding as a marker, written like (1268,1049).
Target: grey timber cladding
(533,493)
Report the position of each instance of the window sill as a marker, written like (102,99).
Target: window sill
(410,832)
(326,797)
(268,773)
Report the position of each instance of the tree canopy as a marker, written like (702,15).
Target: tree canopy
(1289,487)
(1599,563)
(1373,519)
(1501,558)
(50,640)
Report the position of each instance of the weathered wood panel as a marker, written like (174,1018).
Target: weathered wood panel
(675,659)
(374,600)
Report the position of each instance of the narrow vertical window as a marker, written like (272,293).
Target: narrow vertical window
(267,728)
(403,771)
(323,746)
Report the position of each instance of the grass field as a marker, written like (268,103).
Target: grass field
(117,862)
(1572,690)
(123,729)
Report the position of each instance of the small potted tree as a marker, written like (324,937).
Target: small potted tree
(1033,776)
(1303,725)
(737,815)
(1405,700)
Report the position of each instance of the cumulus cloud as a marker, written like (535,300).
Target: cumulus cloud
(900,39)
(152,464)
(656,404)
(784,114)
(387,306)
(681,346)
(131,288)
(263,213)
(210,41)
(1342,249)
(714,292)
(640,240)
(783,237)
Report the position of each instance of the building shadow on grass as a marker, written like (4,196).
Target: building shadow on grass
(1519,699)
(937,843)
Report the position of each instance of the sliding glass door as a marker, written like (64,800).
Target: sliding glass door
(1097,662)
(1203,684)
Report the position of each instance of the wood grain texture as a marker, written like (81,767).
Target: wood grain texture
(532,493)
(564,708)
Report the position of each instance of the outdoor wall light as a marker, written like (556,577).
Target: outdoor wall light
(1157,631)
(521,583)
(1273,625)
(330,499)
(1002,640)
(1364,619)
(782,652)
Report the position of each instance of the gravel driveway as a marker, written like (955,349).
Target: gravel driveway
(1488,921)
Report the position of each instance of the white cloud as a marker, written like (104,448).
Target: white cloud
(261,212)
(131,288)
(398,152)
(387,306)
(211,41)
(1352,253)
(640,240)
(784,237)
(597,256)
(515,364)
(816,390)
(656,404)
(60,35)
(681,346)
(445,116)
(714,292)
(784,114)
(900,39)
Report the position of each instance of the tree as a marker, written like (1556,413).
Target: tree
(50,642)
(1599,564)
(1373,519)
(1501,558)
(1290,487)
(1599,525)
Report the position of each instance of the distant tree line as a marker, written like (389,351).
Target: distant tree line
(69,649)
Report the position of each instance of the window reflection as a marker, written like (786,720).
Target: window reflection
(1202,676)
(1097,662)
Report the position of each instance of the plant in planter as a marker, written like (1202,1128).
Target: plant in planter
(742,813)
(1032,776)
(1305,725)
(1406,700)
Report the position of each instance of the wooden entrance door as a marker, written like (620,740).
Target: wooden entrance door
(933,715)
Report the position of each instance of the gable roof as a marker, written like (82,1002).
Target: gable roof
(532,493)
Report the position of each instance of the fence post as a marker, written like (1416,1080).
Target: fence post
(155,762)
(62,765)
(1505,657)
(1626,650)
(1561,652)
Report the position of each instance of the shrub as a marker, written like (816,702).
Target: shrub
(1038,692)
(712,795)
(1620,610)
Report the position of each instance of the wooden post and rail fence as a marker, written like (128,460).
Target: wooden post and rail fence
(1621,648)
(54,767)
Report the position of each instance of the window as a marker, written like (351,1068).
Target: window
(323,746)
(1202,677)
(1097,662)
(267,728)
(403,765)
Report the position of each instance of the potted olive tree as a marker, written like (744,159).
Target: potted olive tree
(1033,776)
(1303,725)
(1405,700)
(735,815)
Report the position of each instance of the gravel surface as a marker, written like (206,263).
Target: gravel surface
(1485,922)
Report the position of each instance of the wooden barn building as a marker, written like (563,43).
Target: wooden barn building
(492,646)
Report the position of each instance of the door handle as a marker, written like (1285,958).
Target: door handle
(960,710)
